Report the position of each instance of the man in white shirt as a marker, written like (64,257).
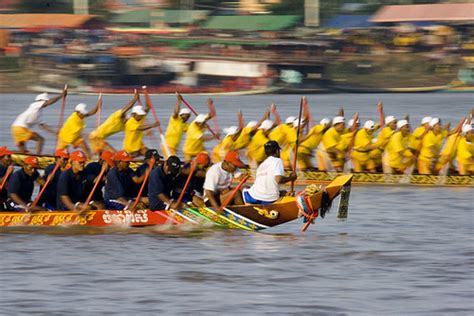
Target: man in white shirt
(269,175)
(21,127)
(217,185)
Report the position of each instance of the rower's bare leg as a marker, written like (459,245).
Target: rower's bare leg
(22,147)
(85,149)
(39,142)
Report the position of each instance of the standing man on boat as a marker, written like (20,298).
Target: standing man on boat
(163,181)
(177,125)
(141,170)
(283,134)
(430,147)
(227,144)
(71,132)
(21,185)
(113,124)
(21,127)
(399,155)
(92,172)
(361,159)
(465,151)
(382,141)
(5,165)
(196,136)
(134,128)
(255,150)
(217,185)
(49,198)
(72,185)
(119,186)
(310,142)
(331,158)
(269,175)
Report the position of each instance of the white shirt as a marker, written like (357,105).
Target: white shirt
(265,187)
(217,179)
(31,116)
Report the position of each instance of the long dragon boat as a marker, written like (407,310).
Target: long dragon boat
(247,217)
(309,177)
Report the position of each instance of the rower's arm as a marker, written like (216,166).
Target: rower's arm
(132,102)
(165,199)
(66,200)
(55,99)
(96,108)
(285,179)
(265,116)
(18,200)
(176,108)
(149,126)
(48,129)
(211,196)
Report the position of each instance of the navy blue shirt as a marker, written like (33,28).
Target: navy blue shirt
(49,194)
(119,184)
(92,170)
(72,185)
(3,193)
(139,172)
(22,184)
(159,183)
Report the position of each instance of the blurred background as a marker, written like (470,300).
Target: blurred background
(241,47)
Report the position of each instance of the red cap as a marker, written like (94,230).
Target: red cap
(4,151)
(108,156)
(202,158)
(122,155)
(78,156)
(32,161)
(61,153)
(233,158)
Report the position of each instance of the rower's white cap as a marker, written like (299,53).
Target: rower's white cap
(466,128)
(401,123)
(266,125)
(251,124)
(81,108)
(290,119)
(426,119)
(201,118)
(351,121)
(184,111)
(337,120)
(42,97)
(325,121)
(231,130)
(434,121)
(296,123)
(389,119)
(370,125)
(139,110)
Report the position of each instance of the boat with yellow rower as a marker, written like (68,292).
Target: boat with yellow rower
(310,177)
(313,202)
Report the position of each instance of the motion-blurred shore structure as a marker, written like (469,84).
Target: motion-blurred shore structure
(273,46)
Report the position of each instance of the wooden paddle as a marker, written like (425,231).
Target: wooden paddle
(180,97)
(188,180)
(6,176)
(212,112)
(381,114)
(451,144)
(94,188)
(152,108)
(48,180)
(295,158)
(233,193)
(353,128)
(61,113)
(275,113)
(151,163)
(99,111)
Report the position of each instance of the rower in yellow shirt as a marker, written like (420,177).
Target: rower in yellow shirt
(382,141)
(416,137)
(71,132)
(255,149)
(195,137)
(465,151)
(282,135)
(115,123)
(177,126)
(134,128)
(226,145)
(328,155)
(399,156)
(310,142)
(361,159)
(248,132)
(430,148)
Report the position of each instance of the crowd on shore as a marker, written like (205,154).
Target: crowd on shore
(205,177)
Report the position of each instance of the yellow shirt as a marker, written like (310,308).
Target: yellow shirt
(174,131)
(415,138)
(312,142)
(430,145)
(133,140)
(194,143)
(72,128)
(465,151)
(362,140)
(331,138)
(222,148)
(384,136)
(280,134)
(113,124)
(397,149)
(244,138)
(449,149)
(255,149)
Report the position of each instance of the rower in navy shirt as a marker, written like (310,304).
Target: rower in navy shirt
(50,193)
(141,170)
(21,185)
(119,186)
(161,184)
(92,171)
(72,184)
(5,163)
